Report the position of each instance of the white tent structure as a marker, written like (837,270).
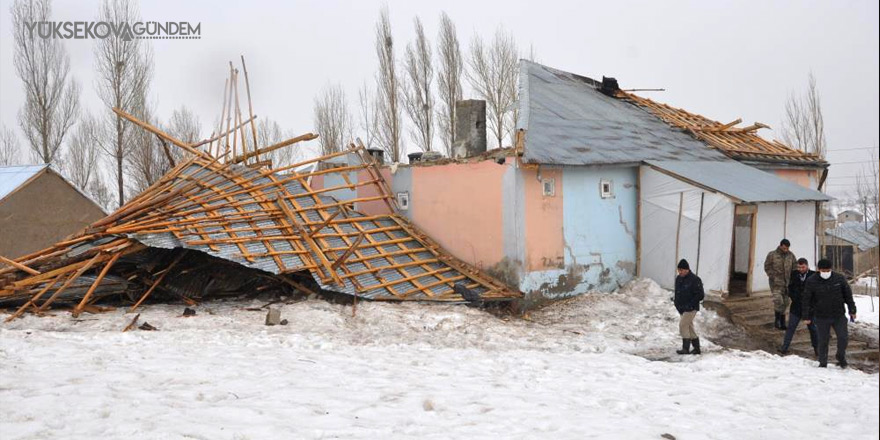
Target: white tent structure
(723,217)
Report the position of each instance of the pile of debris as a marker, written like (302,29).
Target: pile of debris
(220,225)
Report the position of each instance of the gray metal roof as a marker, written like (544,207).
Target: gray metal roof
(855,233)
(743,182)
(569,122)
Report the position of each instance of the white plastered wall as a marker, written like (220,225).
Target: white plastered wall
(662,198)
(775,221)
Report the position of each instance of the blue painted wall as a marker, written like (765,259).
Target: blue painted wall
(599,234)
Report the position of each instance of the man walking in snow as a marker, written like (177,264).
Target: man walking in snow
(778,266)
(823,301)
(795,291)
(688,294)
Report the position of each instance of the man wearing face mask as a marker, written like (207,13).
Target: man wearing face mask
(778,266)
(823,301)
(795,291)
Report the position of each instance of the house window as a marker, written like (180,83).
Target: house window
(403,200)
(606,189)
(549,187)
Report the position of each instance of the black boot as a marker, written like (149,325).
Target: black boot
(783,350)
(779,322)
(841,362)
(696,343)
(685,347)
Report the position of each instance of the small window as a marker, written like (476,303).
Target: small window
(549,187)
(403,200)
(606,189)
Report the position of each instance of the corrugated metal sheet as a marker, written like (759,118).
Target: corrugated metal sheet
(12,177)
(569,122)
(855,233)
(743,182)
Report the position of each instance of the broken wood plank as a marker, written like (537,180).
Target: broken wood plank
(19,266)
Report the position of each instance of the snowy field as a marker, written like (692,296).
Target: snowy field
(597,366)
(864,311)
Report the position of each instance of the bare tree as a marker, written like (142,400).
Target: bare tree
(146,160)
(494,75)
(81,159)
(99,192)
(9,148)
(388,89)
(368,118)
(417,98)
(803,126)
(448,81)
(269,132)
(332,119)
(867,191)
(51,97)
(124,69)
(184,125)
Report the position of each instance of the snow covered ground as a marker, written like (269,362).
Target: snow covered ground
(867,282)
(597,366)
(864,311)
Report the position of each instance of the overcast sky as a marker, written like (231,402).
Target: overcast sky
(724,60)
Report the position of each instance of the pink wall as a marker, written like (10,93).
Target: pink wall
(372,207)
(544,217)
(805,178)
(459,206)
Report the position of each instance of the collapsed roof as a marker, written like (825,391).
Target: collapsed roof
(243,211)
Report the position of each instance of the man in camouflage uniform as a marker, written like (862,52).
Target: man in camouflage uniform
(778,266)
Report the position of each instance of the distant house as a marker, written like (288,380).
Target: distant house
(39,207)
(851,248)
(850,216)
(599,189)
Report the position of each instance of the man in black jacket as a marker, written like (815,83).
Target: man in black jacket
(688,294)
(824,297)
(796,286)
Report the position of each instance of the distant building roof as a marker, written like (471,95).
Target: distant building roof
(850,211)
(13,177)
(743,182)
(569,122)
(855,233)
(741,143)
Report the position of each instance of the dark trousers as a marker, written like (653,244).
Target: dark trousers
(793,321)
(823,328)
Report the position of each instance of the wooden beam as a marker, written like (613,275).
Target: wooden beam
(158,280)
(247,86)
(70,280)
(216,137)
(312,244)
(325,223)
(348,252)
(78,309)
(159,133)
(32,300)
(270,148)
(19,266)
